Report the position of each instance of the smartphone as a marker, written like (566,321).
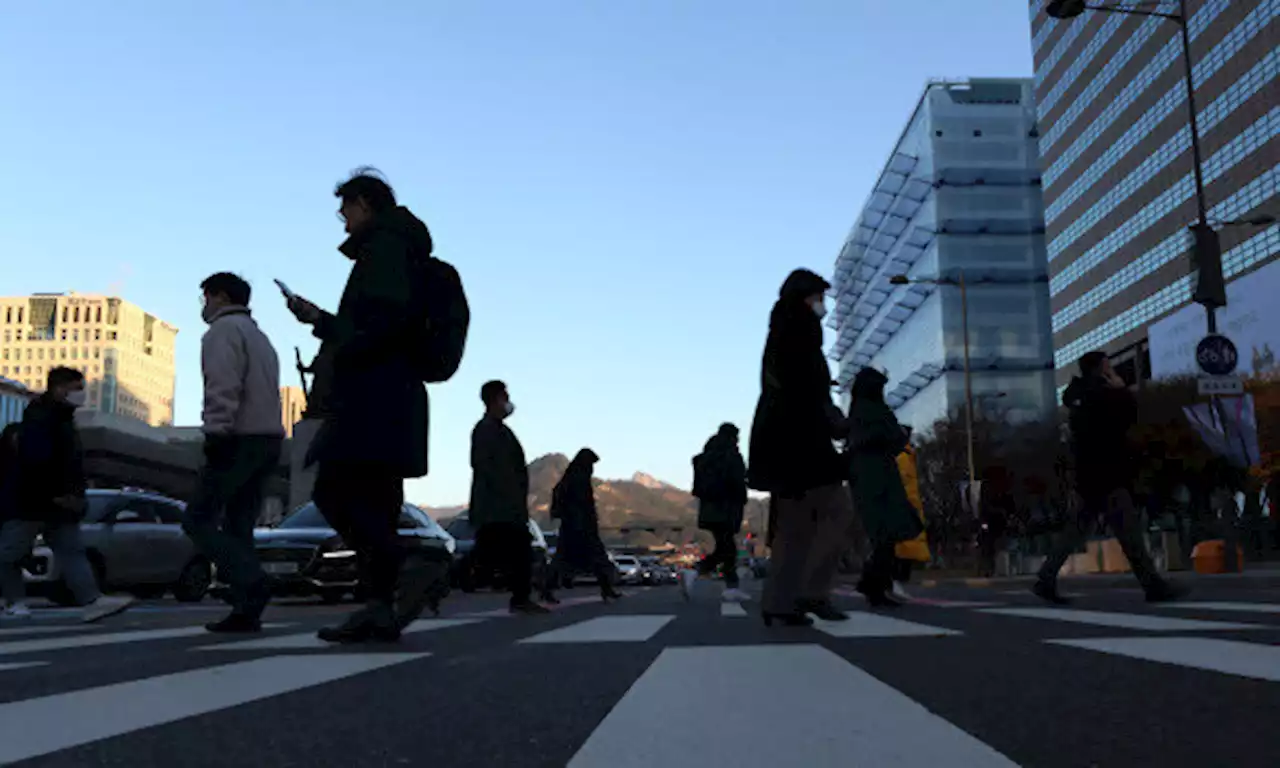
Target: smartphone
(288,294)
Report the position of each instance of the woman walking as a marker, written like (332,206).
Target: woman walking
(908,553)
(793,458)
(875,440)
(573,501)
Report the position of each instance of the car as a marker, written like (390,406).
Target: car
(653,573)
(629,570)
(135,543)
(304,556)
(468,576)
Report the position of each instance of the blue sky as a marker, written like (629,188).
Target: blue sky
(622,183)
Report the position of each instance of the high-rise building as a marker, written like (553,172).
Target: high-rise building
(1116,148)
(958,198)
(293,403)
(125,353)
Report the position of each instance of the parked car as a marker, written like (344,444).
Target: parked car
(469,576)
(135,543)
(653,573)
(304,556)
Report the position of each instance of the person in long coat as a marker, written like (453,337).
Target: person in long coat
(908,553)
(720,485)
(579,549)
(793,458)
(875,440)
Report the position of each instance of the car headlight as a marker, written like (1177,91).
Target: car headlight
(338,554)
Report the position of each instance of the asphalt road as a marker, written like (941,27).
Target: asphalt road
(968,677)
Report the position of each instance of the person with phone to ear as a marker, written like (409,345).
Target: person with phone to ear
(371,392)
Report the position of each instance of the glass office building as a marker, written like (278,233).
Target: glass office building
(959,197)
(1116,150)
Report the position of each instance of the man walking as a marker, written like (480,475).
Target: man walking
(1102,413)
(375,430)
(720,485)
(49,498)
(499,507)
(242,438)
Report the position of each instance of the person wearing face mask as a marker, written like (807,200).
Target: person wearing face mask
(793,458)
(370,390)
(242,440)
(49,499)
(499,508)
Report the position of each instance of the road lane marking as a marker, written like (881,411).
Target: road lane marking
(308,641)
(21,665)
(732,609)
(1255,660)
(863,624)
(40,726)
(33,630)
(113,638)
(818,709)
(1229,607)
(1119,620)
(605,629)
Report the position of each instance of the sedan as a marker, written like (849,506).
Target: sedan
(304,556)
(135,542)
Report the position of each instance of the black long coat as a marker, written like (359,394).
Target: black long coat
(573,501)
(791,449)
(875,440)
(50,463)
(374,402)
(500,477)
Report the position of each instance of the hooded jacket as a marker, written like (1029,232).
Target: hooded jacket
(791,448)
(367,389)
(1101,417)
(720,481)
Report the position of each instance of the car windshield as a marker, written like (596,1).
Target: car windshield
(625,560)
(306,516)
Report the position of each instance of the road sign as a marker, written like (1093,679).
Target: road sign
(1217,355)
(1221,385)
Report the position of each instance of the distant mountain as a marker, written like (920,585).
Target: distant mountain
(634,505)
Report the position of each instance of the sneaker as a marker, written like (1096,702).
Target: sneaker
(900,591)
(104,606)
(688,578)
(735,595)
(15,611)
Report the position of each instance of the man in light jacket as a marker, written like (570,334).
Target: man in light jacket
(242,439)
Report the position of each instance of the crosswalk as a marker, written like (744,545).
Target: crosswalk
(806,683)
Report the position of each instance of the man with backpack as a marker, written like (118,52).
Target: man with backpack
(720,485)
(402,321)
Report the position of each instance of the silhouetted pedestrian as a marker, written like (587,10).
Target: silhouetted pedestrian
(49,499)
(499,507)
(579,549)
(242,439)
(720,485)
(793,458)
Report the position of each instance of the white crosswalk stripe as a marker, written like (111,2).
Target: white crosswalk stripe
(39,726)
(605,629)
(1232,657)
(308,640)
(1226,607)
(20,665)
(829,710)
(1117,620)
(732,609)
(112,638)
(863,624)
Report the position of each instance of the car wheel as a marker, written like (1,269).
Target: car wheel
(193,584)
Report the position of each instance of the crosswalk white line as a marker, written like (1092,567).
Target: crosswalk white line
(863,624)
(605,629)
(21,665)
(732,609)
(1118,620)
(309,641)
(113,638)
(1255,660)
(37,727)
(831,713)
(1227,607)
(45,630)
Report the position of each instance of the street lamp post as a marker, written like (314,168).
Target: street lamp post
(968,371)
(1210,287)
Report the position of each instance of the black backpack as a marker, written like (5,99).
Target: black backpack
(447,316)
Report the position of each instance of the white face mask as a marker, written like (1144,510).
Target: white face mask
(819,309)
(509,408)
(77,398)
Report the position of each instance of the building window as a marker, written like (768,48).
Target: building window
(40,353)
(62,353)
(112,336)
(75,334)
(65,311)
(8,314)
(7,337)
(97,332)
(19,319)
(28,354)
(63,335)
